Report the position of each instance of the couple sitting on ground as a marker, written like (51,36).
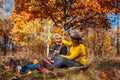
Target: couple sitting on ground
(58,54)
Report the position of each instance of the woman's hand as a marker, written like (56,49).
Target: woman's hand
(66,36)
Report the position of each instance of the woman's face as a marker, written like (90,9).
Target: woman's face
(58,40)
(74,41)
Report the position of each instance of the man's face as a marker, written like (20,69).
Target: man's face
(57,40)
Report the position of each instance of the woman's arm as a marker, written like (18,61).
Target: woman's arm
(80,50)
(67,43)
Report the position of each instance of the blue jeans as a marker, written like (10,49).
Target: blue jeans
(29,67)
(67,62)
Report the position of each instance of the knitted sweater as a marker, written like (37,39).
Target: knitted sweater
(77,53)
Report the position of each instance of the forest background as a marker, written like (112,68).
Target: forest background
(26,28)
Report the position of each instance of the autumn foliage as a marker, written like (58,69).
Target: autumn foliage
(70,12)
(32,23)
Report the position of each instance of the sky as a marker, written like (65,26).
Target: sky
(6,8)
(115,19)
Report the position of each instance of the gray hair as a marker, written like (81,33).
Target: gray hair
(56,35)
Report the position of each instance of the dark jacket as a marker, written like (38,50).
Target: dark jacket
(58,50)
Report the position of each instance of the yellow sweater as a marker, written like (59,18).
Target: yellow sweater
(78,52)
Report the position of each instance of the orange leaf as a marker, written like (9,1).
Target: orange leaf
(105,74)
(80,73)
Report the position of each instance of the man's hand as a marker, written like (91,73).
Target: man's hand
(49,58)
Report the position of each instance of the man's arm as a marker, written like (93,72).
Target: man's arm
(63,51)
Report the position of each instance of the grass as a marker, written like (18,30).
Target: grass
(107,68)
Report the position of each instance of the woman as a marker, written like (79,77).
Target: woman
(77,55)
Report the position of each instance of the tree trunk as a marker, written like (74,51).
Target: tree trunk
(5,44)
(118,46)
(118,52)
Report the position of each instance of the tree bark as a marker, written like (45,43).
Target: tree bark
(118,52)
(118,46)
(5,44)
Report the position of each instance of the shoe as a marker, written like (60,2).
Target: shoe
(18,68)
(44,70)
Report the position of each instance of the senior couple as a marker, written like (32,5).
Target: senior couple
(59,57)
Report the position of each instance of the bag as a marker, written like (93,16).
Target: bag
(46,64)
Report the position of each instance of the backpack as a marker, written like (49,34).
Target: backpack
(46,64)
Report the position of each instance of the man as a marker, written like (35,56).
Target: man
(57,49)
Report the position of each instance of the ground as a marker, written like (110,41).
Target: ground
(107,68)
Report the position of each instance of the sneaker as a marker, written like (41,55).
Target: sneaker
(44,70)
(18,68)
